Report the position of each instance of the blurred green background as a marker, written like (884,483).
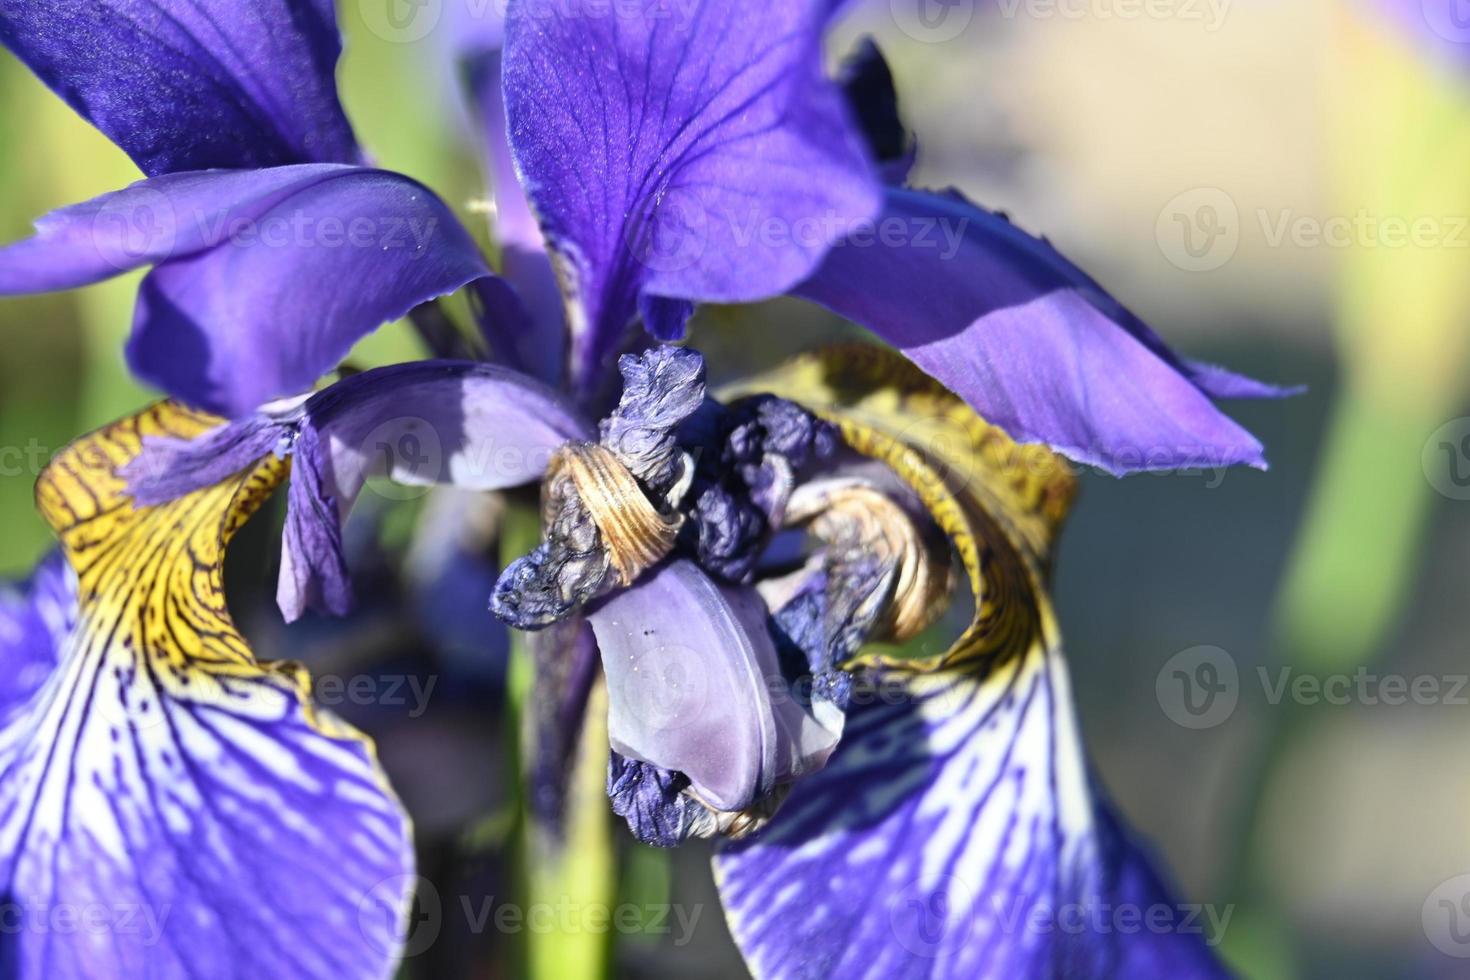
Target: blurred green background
(1237,173)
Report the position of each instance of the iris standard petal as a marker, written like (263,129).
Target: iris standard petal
(538,344)
(1028,340)
(695,686)
(474,426)
(183,805)
(694,154)
(263,279)
(193,84)
(35,618)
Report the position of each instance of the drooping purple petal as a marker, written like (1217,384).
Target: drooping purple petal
(263,279)
(193,84)
(955,833)
(474,426)
(695,686)
(1032,343)
(188,806)
(692,154)
(35,618)
(167,469)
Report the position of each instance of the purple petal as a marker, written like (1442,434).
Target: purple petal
(693,154)
(264,279)
(186,805)
(1028,340)
(953,834)
(35,618)
(694,686)
(193,84)
(474,426)
(537,346)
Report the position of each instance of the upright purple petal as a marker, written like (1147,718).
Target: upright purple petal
(693,152)
(1028,340)
(473,426)
(193,84)
(538,344)
(694,686)
(955,833)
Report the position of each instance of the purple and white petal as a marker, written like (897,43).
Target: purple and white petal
(695,686)
(35,618)
(691,154)
(473,426)
(263,279)
(169,805)
(193,84)
(956,833)
(1029,340)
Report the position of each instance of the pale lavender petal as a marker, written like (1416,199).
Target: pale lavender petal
(695,686)
(193,84)
(1032,343)
(473,426)
(956,833)
(692,153)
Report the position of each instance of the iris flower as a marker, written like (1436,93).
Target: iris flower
(728,557)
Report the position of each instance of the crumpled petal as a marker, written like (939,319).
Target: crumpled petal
(263,279)
(187,804)
(35,618)
(695,686)
(193,84)
(695,154)
(1029,341)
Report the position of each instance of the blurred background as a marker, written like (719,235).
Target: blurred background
(1280,187)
